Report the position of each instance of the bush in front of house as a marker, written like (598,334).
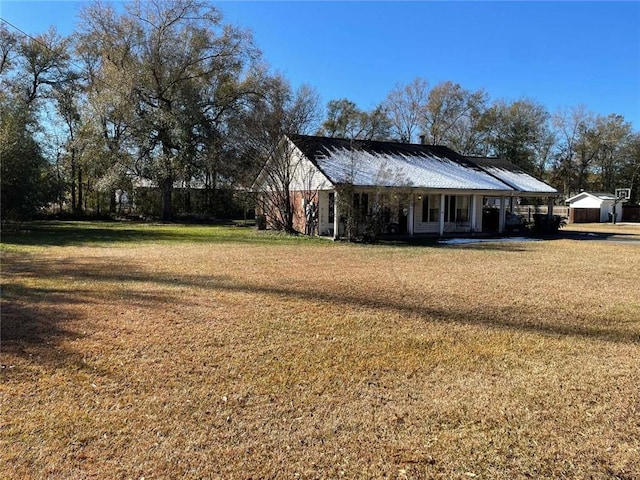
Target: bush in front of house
(543,225)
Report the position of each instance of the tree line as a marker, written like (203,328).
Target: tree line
(165,93)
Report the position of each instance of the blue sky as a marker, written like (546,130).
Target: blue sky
(561,54)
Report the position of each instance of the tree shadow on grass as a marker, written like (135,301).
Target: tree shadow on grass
(37,318)
(108,233)
(617,237)
(42,325)
(506,317)
(76,233)
(32,330)
(35,321)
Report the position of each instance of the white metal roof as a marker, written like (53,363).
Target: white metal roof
(368,163)
(520,180)
(596,195)
(365,168)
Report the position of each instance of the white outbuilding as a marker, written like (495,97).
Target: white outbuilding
(591,207)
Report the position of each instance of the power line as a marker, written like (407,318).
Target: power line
(25,33)
(40,42)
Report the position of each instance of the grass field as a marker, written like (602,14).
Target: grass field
(632,229)
(141,351)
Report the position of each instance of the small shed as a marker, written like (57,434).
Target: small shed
(592,207)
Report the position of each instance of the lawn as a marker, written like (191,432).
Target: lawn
(628,229)
(161,351)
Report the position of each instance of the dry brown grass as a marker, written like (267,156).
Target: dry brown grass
(609,228)
(321,360)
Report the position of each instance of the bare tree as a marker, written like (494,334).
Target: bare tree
(346,120)
(630,174)
(406,108)
(285,186)
(452,116)
(569,126)
(613,134)
(284,177)
(515,130)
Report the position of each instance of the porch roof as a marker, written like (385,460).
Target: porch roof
(513,176)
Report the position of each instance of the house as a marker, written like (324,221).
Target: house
(591,207)
(411,189)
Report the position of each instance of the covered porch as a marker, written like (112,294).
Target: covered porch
(418,212)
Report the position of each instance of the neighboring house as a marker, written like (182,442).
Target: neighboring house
(414,188)
(591,207)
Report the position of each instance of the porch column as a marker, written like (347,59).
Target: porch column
(336,216)
(473,214)
(503,215)
(441,216)
(410,216)
(550,208)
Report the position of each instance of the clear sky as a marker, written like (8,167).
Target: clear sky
(561,54)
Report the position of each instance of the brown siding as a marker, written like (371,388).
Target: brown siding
(631,214)
(584,215)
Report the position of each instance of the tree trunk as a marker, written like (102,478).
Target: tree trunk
(187,200)
(79,204)
(112,201)
(288,213)
(167,191)
(74,205)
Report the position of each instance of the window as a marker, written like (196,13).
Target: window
(361,204)
(430,208)
(456,208)
(332,204)
(462,208)
(450,208)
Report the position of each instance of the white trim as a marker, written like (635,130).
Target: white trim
(336,216)
(472,215)
(601,198)
(441,216)
(503,215)
(410,215)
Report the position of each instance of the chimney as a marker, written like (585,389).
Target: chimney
(423,139)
